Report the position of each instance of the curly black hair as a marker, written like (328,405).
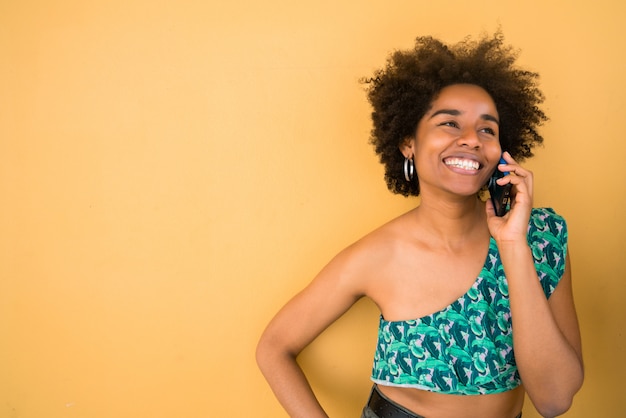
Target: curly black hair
(403,91)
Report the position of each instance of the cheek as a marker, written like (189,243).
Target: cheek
(494,148)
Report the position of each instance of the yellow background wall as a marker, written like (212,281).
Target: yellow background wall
(172,172)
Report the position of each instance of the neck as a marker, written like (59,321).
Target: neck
(452,222)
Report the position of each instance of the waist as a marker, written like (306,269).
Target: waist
(380,406)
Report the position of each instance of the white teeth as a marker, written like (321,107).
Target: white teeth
(462,163)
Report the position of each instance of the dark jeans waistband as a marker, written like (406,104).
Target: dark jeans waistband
(380,406)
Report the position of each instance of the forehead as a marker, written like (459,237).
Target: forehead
(464,97)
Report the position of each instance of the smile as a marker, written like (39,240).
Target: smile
(462,163)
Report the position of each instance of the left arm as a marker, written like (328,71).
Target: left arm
(546,334)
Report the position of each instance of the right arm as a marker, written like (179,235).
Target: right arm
(334,290)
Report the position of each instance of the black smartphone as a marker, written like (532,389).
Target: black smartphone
(500,195)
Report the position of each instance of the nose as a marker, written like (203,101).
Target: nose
(469,138)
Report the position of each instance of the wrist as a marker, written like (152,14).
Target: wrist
(513,248)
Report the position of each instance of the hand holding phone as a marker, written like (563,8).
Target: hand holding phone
(500,195)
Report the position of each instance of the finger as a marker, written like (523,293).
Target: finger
(521,172)
(515,169)
(512,165)
(507,156)
(522,189)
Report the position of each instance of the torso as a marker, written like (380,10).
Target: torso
(415,277)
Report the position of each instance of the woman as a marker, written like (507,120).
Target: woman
(443,118)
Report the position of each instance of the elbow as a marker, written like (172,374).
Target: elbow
(558,403)
(269,353)
(554,408)
(262,354)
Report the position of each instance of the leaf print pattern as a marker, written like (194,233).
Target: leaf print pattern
(467,348)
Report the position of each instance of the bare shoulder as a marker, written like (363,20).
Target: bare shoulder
(364,260)
(345,279)
(381,241)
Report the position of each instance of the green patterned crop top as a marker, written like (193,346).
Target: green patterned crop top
(467,348)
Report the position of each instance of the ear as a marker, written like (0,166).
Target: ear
(407,147)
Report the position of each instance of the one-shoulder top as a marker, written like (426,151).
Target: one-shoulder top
(467,347)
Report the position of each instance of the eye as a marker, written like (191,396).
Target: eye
(449,123)
(489,131)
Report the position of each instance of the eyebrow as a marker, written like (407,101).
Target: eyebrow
(455,112)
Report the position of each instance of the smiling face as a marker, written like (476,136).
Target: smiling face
(456,146)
